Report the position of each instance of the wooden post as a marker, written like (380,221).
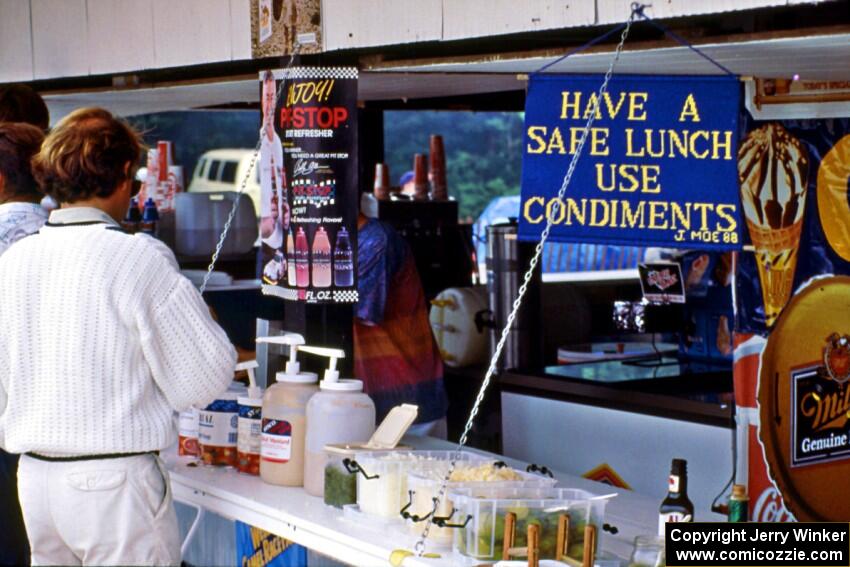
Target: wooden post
(534,545)
(589,545)
(563,541)
(510,535)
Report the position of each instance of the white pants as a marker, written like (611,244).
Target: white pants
(99,512)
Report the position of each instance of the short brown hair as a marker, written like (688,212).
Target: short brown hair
(18,143)
(19,103)
(87,155)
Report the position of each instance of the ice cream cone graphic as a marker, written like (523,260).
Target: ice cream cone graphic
(773,170)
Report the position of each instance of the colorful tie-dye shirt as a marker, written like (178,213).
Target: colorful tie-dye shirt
(395,352)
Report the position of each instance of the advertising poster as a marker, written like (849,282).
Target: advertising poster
(308,184)
(655,141)
(792,287)
(259,548)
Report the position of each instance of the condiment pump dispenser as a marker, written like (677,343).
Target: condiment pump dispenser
(331,380)
(293,367)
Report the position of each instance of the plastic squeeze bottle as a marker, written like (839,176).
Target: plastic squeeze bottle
(343,260)
(302,259)
(321,259)
(339,413)
(284,418)
(290,256)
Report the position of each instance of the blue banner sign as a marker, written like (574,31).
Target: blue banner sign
(659,167)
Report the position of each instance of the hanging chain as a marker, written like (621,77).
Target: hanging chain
(419,548)
(248,173)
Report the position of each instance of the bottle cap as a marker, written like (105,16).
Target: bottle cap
(739,491)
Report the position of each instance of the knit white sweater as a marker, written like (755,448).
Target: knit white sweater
(101,340)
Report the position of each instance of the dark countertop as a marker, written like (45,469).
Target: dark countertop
(694,392)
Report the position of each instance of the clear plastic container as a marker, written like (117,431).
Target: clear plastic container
(340,483)
(423,486)
(484,517)
(648,552)
(382,480)
(341,468)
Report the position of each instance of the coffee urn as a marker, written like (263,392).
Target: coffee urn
(507,261)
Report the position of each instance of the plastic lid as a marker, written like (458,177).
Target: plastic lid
(343,449)
(394,426)
(342,385)
(247,401)
(298,378)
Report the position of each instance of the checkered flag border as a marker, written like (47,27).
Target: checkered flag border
(346,296)
(296,73)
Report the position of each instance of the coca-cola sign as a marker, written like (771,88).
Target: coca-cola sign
(769,507)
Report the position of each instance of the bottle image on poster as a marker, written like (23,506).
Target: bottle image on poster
(343,260)
(292,279)
(312,204)
(302,259)
(321,263)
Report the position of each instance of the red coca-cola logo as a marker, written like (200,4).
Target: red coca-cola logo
(770,508)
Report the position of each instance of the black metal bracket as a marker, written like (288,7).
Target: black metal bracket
(353,467)
(413,517)
(532,468)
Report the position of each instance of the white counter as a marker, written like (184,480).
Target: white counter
(304,519)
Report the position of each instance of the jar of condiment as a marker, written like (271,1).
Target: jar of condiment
(218,428)
(248,435)
(187,433)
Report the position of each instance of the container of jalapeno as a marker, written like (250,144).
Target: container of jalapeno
(340,484)
(341,469)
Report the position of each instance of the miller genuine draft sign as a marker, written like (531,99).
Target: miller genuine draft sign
(804,400)
(658,167)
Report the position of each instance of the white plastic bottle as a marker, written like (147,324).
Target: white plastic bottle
(284,418)
(339,413)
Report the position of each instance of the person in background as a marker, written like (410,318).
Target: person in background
(20,212)
(405,182)
(23,119)
(101,341)
(395,353)
(19,103)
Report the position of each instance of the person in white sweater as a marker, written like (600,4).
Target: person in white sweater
(101,340)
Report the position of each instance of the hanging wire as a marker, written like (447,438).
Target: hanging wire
(248,173)
(419,547)
(685,43)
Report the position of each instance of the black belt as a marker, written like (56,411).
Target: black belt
(88,457)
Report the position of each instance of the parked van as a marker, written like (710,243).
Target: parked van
(224,170)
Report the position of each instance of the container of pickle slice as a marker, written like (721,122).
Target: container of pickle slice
(483,513)
(490,478)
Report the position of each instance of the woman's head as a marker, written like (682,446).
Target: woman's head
(88,154)
(19,142)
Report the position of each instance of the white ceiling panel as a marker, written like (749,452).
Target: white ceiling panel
(825,57)
(372,86)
